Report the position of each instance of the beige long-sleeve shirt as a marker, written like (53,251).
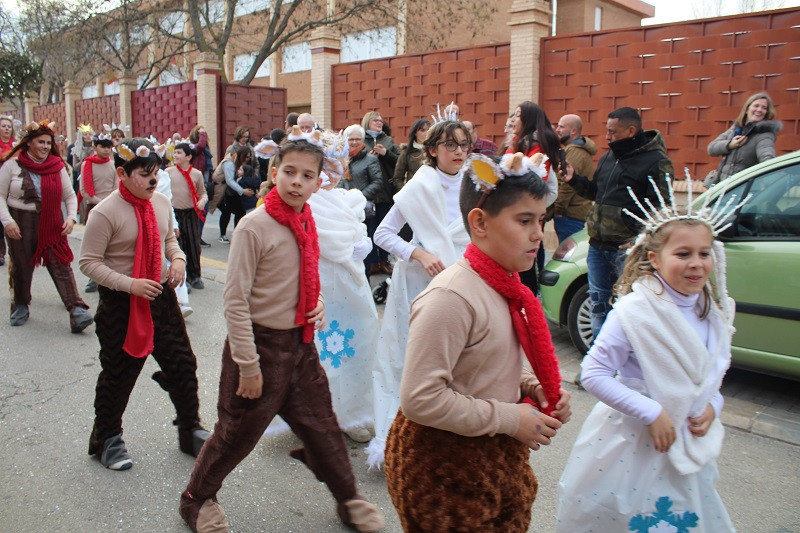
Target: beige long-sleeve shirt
(181,196)
(464,368)
(109,241)
(261,286)
(11,194)
(104,178)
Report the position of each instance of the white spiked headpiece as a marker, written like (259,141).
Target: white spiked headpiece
(448,114)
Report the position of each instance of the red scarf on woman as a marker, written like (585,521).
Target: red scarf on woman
(305,231)
(187,175)
(87,176)
(50,219)
(6,147)
(146,264)
(528,319)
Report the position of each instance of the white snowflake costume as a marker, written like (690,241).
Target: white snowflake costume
(426,204)
(669,358)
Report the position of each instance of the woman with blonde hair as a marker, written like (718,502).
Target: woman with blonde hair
(749,140)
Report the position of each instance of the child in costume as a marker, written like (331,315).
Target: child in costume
(98,180)
(269,364)
(347,347)
(645,458)
(126,245)
(428,203)
(247,179)
(189,199)
(457,454)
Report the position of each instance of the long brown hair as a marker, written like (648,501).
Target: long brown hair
(741,118)
(30,134)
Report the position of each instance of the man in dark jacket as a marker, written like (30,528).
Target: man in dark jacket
(570,208)
(634,156)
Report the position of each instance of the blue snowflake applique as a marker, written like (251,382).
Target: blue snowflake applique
(336,344)
(663,520)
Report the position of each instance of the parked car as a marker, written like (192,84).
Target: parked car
(763,254)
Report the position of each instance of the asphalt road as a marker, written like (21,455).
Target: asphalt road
(49,483)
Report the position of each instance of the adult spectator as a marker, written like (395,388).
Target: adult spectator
(750,140)
(291,120)
(202,155)
(634,156)
(570,209)
(231,205)
(479,144)
(454,111)
(365,175)
(412,155)
(34,184)
(508,134)
(6,144)
(240,138)
(306,123)
(384,148)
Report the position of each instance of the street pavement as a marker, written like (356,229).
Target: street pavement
(49,483)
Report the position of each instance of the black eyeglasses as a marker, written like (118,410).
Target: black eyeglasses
(451,146)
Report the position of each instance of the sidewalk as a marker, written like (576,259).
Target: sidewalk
(759,404)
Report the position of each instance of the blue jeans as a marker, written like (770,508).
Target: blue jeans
(566,226)
(605,267)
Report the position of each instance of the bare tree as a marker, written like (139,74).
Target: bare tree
(718,8)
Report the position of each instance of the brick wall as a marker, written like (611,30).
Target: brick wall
(260,108)
(53,113)
(408,87)
(98,111)
(162,111)
(689,79)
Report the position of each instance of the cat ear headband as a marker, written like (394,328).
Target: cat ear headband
(487,175)
(296,134)
(124,151)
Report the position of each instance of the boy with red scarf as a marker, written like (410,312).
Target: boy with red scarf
(270,365)
(457,452)
(125,245)
(98,180)
(189,198)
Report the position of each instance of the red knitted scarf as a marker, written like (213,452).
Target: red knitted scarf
(305,231)
(187,175)
(146,264)
(50,219)
(87,172)
(6,147)
(528,319)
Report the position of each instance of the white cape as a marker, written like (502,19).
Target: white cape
(422,203)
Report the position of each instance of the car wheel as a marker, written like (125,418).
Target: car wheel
(579,319)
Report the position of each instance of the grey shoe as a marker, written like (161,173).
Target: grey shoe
(91,286)
(19,315)
(114,455)
(79,319)
(197,283)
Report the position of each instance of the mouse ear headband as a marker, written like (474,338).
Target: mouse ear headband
(296,134)
(487,175)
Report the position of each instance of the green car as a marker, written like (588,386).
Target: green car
(763,254)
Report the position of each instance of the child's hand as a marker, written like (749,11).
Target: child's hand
(698,426)
(317,316)
(201,204)
(662,431)
(66,227)
(177,273)
(250,388)
(563,411)
(535,428)
(432,264)
(146,288)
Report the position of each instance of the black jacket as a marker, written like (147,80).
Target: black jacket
(628,164)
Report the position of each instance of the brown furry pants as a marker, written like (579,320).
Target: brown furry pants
(296,388)
(441,481)
(171,350)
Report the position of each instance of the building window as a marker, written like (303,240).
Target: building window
(172,23)
(214,10)
(90,91)
(598,18)
(111,87)
(242,64)
(171,76)
(296,57)
(140,80)
(369,44)
(245,7)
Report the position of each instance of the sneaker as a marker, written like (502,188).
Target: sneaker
(204,244)
(197,283)
(577,381)
(2,261)
(186,310)
(19,315)
(91,286)
(114,455)
(80,319)
(360,434)
(223,239)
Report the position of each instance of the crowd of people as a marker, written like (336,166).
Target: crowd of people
(438,387)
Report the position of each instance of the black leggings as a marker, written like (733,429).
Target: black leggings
(227,208)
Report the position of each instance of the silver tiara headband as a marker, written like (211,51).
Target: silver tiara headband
(714,216)
(443,115)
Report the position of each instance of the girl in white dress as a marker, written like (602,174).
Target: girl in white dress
(428,203)
(645,459)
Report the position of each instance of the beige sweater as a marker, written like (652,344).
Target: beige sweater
(181,197)
(109,242)
(105,180)
(464,365)
(11,192)
(262,285)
